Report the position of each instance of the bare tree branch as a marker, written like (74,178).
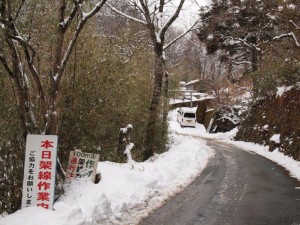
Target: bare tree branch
(19,9)
(181,36)
(5,64)
(171,20)
(161,6)
(82,22)
(125,15)
(290,34)
(295,25)
(30,61)
(66,23)
(241,63)
(147,13)
(244,42)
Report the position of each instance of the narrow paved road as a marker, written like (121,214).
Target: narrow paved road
(236,188)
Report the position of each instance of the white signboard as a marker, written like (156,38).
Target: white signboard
(39,171)
(82,164)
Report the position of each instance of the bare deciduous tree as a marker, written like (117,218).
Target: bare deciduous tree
(18,54)
(154,18)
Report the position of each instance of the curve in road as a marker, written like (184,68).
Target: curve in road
(236,188)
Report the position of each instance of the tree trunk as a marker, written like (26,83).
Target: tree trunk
(151,137)
(22,93)
(57,55)
(165,109)
(254,60)
(21,101)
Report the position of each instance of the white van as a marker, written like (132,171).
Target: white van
(187,117)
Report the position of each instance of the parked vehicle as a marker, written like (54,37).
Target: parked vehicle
(187,117)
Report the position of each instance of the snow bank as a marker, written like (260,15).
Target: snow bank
(198,131)
(127,192)
(291,165)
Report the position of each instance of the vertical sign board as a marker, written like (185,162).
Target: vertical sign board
(39,171)
(82,164)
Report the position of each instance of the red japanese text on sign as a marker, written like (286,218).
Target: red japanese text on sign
(39,172)
(47,144)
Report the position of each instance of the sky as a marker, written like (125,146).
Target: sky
(128,192)
(189,13)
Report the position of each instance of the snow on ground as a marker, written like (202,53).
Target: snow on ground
(292,166)
(282,90)
(129,192)
(198,131)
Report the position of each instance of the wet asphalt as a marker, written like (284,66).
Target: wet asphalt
(236,188)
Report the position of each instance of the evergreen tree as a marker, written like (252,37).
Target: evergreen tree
(241,29)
